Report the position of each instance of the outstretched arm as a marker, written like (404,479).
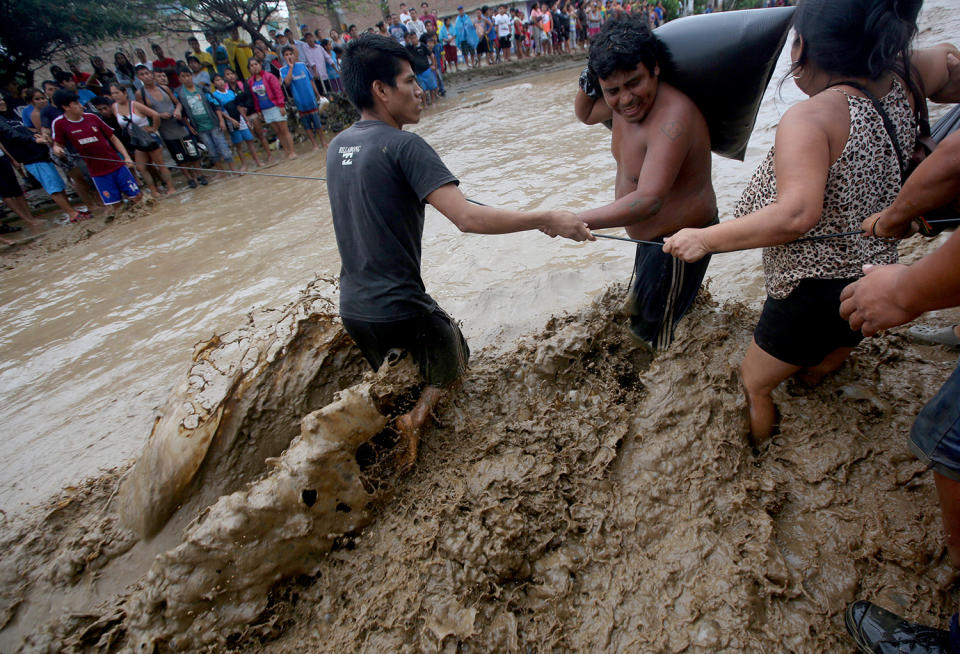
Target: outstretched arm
(478,219)
(802,161)
(933,184)
(888,296)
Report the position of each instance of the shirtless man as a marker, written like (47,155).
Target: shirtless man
(662,147)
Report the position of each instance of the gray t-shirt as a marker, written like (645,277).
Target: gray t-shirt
(377,179)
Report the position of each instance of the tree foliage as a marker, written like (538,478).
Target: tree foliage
(34,31)
(220,16)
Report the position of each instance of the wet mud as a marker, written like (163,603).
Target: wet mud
(572,495)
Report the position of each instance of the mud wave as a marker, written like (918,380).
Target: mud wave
(571,495)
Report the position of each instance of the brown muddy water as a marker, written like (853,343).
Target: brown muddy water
(545,514)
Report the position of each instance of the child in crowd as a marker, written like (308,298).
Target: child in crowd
(95,141)
(244,100)
(423,66)
(333,67)
(236,122)
(200,76)
(269,102)
(207,118)
(299,82)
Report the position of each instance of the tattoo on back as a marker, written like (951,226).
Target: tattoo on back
(672,129)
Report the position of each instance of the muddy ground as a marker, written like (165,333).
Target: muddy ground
(571,496)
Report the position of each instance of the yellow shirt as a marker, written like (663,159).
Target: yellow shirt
(239,55)
(206,59)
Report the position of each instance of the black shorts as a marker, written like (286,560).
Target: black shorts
(504,42)
(150,148)
(483,46)
(9,185)
(663,290)
(804,327)
(433,339)
(183,149)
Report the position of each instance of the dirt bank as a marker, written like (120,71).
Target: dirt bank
(471,78)
(572,495)
(63,236)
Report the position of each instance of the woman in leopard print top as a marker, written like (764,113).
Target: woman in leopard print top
(833,164)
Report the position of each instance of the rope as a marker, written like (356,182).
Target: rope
(215,171)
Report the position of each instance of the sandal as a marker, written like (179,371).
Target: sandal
(928,335)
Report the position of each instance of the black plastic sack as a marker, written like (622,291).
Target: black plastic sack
(947,125)
(724,63)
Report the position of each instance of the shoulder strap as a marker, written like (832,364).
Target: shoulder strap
(887,123)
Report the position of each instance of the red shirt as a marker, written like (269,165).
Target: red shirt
(90,137)
(172,77)
(81,76)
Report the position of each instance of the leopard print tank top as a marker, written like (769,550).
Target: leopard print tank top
(862,181)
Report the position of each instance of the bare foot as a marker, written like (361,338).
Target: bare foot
(293,156)
(409,440)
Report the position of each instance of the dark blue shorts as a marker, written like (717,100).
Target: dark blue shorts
(663,289)
(935,437)
(110,186)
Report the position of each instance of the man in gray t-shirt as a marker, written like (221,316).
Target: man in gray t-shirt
(379,180)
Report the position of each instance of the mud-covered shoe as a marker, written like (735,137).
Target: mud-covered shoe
(878,631)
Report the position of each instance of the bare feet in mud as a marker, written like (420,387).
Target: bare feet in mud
(763,421)
(409,433)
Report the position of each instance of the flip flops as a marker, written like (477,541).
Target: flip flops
(928,335)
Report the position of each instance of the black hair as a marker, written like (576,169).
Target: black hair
(624,42)
(125,69)
(287,48)
(140,67)
(63,76)
(351,27)
(99,100)
(47,81)
(63,97)
(118,85)
(192,58)
(369,58)
(856,38)
(183,69)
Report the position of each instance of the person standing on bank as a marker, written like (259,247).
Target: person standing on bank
(379,180)
(834,162)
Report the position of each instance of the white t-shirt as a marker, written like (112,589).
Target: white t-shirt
(404,18)
(503,23)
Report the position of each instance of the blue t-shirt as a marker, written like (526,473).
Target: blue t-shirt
(86,95)
(300,87)
(25,117)
(260,90)
(397,32)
